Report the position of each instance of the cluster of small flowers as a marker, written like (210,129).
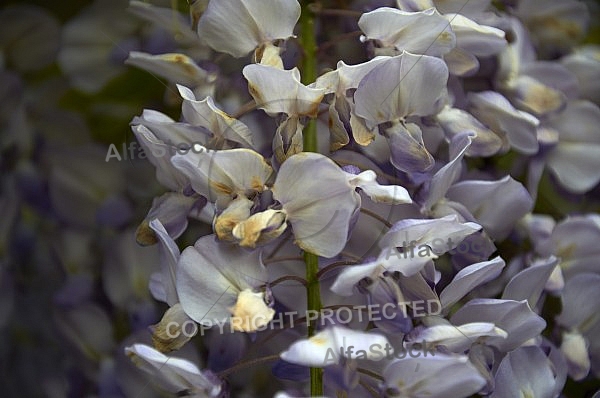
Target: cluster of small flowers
(456,123)
(445,83)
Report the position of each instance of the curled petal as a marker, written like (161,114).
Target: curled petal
(280,91)
(167,334)
(221,175)
(260,228)
(250,311)
(496,112)
(175,67)
(408,152)
(236,212)
(422,32)
(205,114)
(330,345)
(389,194)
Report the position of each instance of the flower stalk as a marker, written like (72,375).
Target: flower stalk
(309,75)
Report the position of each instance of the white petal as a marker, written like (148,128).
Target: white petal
(404,85)
(390,260)
(441,234)
(423,32)
(580,299)
(223,174)
(438,376)
(449,174)
(205,113)
(177,68)
(237,27)
(159,154)
(319,209)
(324,348)
(575,349)
(408,151)
(495,111)
(459,338)
(469,278)
(576,124)
(169,256)
(530,283)
(479,40)
(211,274)
(280,91)
(389,194)
(514,317)
(461,63)
(174,374)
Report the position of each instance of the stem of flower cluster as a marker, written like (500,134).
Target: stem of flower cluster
(313,294)
(309,75)
(308,68)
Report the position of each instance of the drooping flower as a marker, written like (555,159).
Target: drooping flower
(176,68)
(220,283)
(438,376)
(237,27)
(175,375)
(279,91)
(424,32)
(399,88)
(330,346)
(526,371)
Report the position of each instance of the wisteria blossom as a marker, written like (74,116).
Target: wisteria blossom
(293,198)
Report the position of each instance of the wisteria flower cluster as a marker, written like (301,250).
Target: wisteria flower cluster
(334,199)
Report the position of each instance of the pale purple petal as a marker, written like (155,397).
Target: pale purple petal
(529,283)
(497,205)
(496,112)
(408,152)
(514,317)
(320,209)
(580,301)
(469,278)
(439,376)
(524,372)
(404,85)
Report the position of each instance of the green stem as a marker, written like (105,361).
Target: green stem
(309,44)
(309,75)
(308,68)
(313,294)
